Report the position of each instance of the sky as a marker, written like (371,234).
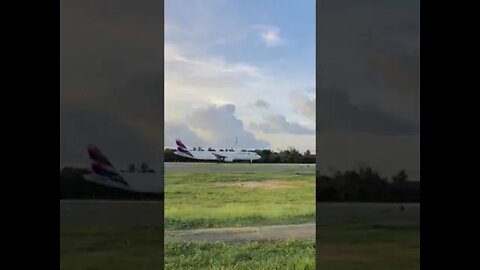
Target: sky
(240,73)
(368,85)
(111,80)
(243,69)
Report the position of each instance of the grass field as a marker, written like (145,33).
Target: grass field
(292,254)
(340,247)
(111,247)
(229,200)
(351,236)
(372,247)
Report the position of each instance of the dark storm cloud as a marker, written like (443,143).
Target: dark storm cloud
(368,92)
(336,112)
(223,127)
(388,154)
(119,142)
(111,79)
(278,124)
(371,50)
(261,104)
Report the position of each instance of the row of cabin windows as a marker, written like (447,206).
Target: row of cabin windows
(212,150)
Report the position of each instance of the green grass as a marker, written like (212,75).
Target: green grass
(113,248)
(369,247)
(340,247)
(207,200)
(215,200)
(291,254)
(352,247)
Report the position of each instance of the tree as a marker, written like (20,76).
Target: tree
(307,153)
(401,177)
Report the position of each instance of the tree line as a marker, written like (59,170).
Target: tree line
(291,155)
(366,185)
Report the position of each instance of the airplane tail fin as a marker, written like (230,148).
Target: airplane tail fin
(180,144)
(102,166)
(182,148)
(98,158)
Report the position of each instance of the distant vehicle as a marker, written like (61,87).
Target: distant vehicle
(104,173)
(219,154)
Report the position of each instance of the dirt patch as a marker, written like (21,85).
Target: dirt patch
(258,184)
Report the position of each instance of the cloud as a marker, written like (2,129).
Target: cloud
(336,112)
(371,50)
(220,125)
(208,67)
(389,154)
(205,76)
(270,35)
(261,104)
(216,126)
(304,104)
(181,131)
(111,80)
(279,124)
(395,60)
(121,143)
(367,89)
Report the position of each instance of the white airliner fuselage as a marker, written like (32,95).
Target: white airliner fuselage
(223,154)
(137,182)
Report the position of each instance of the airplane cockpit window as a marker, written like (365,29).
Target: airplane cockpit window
(211,149)
(243,150)
(221,150)
(231,150)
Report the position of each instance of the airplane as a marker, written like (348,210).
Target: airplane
(104,173)
(224,154)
